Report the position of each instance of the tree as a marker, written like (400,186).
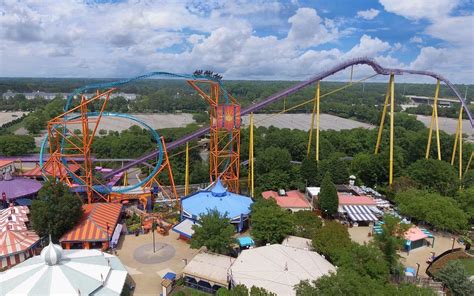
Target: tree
(465,201)
(270,224)
(366,260)
(309,171)
(347,282)
(331,239)
(215,232)
(272,159)
(390,240)
(11,145)
(306,223)
(440,211)
(336,167)
(328,199)
(241,290)
(56,210)
(33,124)
(455,277)
(436,175)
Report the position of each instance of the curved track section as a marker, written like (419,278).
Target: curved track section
(291,90)
(102,188)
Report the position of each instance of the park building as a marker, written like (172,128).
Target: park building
(235,206)
(97,227)
(293,200)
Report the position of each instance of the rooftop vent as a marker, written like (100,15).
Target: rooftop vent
(282,192)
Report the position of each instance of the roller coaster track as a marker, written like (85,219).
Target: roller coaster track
(293,89)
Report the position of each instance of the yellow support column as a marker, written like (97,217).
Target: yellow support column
(318,88)
(186,173)
(251,159)
(392,113)
(310,138)
(453,157)
(125,178)
(382,120)
(469,163)
(434,121)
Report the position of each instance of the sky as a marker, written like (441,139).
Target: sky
(241,39)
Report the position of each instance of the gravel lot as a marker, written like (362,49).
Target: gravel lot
(156,121)
(303,121)
(8,116)
(449,125)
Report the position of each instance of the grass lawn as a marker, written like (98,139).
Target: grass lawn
(468,265)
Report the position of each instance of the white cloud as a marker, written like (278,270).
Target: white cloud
(308,29)
(368,14)
(416,39)
(369,47)
(418,9)
(72,38)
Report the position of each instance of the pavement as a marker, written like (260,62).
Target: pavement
(420,255)
(146,267)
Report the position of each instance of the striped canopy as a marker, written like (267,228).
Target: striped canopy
(12,242)
(359,213)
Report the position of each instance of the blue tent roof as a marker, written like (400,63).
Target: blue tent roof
(218,198)
(218,189)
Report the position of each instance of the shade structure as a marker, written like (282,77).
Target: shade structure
(17,243)
(116,236)
(212,268)
(278,268)
(235,206)
(78,272)
(13,242)
(185,228)
(246,241)
(360,213)
(97,223)
(16,187)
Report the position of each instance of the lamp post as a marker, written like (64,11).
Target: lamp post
(153,227)
(108,240)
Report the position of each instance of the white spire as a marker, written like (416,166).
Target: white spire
(52,253)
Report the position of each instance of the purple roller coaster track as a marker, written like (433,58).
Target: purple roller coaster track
(286,92)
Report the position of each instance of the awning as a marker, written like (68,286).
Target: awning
(116,235)
(359,213)
(185,228)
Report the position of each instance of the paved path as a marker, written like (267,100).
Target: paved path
(145,267)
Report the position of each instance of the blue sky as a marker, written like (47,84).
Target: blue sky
(244,39)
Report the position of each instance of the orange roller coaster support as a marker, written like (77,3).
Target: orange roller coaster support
(224,147)
(60,130)
(156,181)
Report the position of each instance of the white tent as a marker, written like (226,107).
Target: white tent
(65,272)
(278,268)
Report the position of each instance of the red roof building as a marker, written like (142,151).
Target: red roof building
(17,243)
(95,228)
(355,200)
(291,200)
